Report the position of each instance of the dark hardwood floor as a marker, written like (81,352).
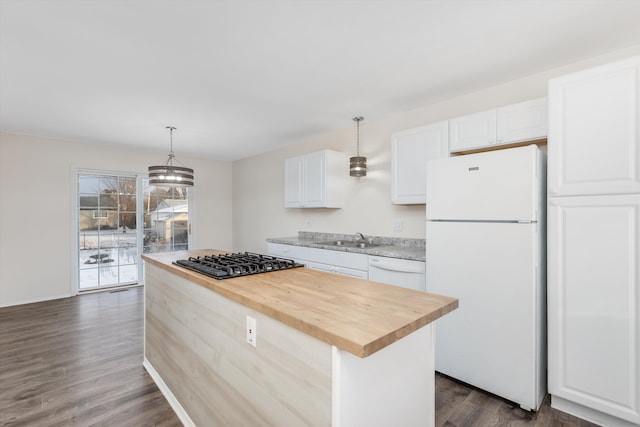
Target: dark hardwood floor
(459,405)
(78,361)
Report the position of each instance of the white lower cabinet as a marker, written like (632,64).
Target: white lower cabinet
(296,253)
(344,271)
(594,307)
(338,262)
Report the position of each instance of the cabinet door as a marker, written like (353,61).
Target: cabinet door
(473,131)
(314,179)
(594,130)
(293,182)
(410,151)
(524,121)
(594,302)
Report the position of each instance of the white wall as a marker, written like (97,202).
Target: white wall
(36,196)
(259,180)
(36,214)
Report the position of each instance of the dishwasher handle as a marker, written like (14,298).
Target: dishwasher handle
(395,265)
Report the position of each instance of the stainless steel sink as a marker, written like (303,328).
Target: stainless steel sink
(349,243)
(365,245)
(335,243)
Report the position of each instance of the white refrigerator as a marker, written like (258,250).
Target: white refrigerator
(486,246)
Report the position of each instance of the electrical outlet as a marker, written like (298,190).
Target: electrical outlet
(397,225)
(251,331)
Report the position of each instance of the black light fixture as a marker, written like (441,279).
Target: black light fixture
(169,175)
(358,164)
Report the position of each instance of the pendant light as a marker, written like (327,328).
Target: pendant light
(358,164)
(169,175)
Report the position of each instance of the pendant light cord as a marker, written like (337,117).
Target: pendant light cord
(171,129)
(358,120)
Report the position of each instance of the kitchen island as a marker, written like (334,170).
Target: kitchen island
(330,350)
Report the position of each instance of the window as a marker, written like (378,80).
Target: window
(166,218)
(119,217)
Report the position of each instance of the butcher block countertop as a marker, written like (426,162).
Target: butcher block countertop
(355,315)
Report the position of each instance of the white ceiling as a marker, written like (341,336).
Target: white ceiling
(239,77)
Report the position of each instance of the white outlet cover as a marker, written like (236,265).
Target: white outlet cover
(251,331)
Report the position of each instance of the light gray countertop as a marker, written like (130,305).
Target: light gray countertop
(392,247)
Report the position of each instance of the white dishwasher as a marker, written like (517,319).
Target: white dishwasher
(399,272)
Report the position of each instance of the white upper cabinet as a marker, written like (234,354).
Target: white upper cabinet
(293,182)
(596,145)
(473,131)
(410,151)
(524,121)
(315,180)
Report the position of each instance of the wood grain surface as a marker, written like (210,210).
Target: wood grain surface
(37,342)
(195,340)
(78,361)
(355,315)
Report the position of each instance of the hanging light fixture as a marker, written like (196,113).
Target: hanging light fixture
(169,175)
(358,164)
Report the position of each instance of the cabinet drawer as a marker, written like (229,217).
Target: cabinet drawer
(343,271)
(339,258)
(299,253)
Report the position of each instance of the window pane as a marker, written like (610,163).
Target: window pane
(127,202)
(88,184)
(87,220)
(166,212)
(128,221)
(107,234)
(108,184)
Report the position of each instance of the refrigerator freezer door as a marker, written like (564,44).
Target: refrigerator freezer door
(494,340)
(502,185)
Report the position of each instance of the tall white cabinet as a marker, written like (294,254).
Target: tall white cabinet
(594,243)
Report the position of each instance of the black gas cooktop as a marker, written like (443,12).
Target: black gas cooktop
(236,264)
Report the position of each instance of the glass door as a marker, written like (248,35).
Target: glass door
(121,216)
(107,231)
(166,218)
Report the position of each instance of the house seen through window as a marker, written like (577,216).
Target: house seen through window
(120,217)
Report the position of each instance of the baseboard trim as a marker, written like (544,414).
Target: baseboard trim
(34,300)
(166,392)
(588,414)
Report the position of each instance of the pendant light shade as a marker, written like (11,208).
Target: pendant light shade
(358,164)
(168,174)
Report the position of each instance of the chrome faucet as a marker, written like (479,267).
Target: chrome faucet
(361,236)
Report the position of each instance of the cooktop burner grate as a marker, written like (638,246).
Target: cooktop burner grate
(236,264)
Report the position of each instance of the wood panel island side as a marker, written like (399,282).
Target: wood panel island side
(330,350)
